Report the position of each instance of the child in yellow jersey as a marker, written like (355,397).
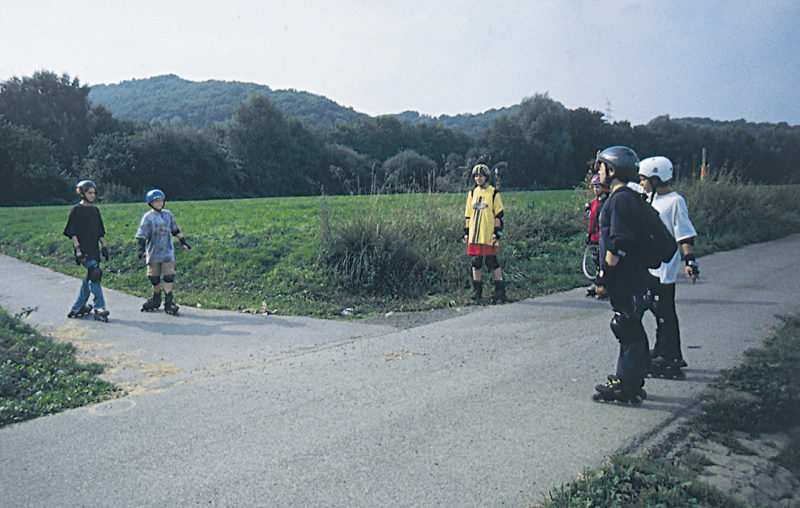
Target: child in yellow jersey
(484,226)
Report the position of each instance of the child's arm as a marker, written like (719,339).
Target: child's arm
(76,247)
(177,232)
(104,249)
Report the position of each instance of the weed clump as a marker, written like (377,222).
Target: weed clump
(39,376)
(410,253)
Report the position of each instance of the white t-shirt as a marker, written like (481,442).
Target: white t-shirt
(675,215)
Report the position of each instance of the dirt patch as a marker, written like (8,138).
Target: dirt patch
(406,320)
(748,471)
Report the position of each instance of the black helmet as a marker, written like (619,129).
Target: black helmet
(480,169)
(621,159)
(83,186)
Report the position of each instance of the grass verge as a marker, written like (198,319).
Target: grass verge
(40,377)
(760,395)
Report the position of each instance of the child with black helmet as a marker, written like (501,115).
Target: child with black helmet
(656,175)
(482,232)
(624,274)
(154,238)
(85,228)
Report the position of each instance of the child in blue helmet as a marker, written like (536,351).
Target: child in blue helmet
(154,238)
(85,228)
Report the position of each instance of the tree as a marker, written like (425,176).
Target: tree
(28,167)
(274,157)
(408,170)
(55,106)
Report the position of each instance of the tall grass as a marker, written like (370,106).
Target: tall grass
(727,214)
(409,253)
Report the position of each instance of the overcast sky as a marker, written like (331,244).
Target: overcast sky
(631,59)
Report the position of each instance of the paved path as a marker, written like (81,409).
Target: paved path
(488,408)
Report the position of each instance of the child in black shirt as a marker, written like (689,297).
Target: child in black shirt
(85,229)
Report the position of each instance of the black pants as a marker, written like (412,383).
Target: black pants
(662,305)
(629,303)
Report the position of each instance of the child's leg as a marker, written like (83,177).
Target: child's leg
(97,291)
(83,296)
(477,285)
(499,293)
(168,271)
(94,276)
(154,275)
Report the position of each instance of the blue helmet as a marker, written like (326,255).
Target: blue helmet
(154,194)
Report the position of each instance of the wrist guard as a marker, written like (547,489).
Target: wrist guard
(183,242)
(79,257)
(498,233)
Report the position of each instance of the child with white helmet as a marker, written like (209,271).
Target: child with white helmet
(656,175)
(154,237)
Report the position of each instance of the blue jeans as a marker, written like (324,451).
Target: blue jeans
(88,286)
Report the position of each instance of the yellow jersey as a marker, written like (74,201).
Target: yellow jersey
(483,205)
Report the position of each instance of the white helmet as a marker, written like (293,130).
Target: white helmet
(658,166)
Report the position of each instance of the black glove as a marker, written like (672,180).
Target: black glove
(142,243)
(104,251)
(79,257)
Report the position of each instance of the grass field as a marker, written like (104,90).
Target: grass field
(318,255)
(254,253)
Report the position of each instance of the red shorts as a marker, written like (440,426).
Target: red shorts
(480,249)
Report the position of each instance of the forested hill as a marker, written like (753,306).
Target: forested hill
(170,99)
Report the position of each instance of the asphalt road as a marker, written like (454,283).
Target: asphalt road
(492,407)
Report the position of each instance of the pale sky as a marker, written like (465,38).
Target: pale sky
(631,59)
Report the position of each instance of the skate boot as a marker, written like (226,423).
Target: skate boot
(169,305)
(670,369)
(153,303)
(612,390)
(101,315)
(477,290)
(84,311)
(499,293)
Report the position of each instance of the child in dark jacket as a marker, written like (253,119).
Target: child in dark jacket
(85,228)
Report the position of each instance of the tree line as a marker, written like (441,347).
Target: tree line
(51,136)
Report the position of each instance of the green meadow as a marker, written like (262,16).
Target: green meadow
(319,255)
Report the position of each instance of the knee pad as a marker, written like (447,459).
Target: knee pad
(477,262)
(624,328)
(94,274)
(491,263)
(169,278)
(155,279)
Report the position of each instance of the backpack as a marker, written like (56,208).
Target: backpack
(657,244)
